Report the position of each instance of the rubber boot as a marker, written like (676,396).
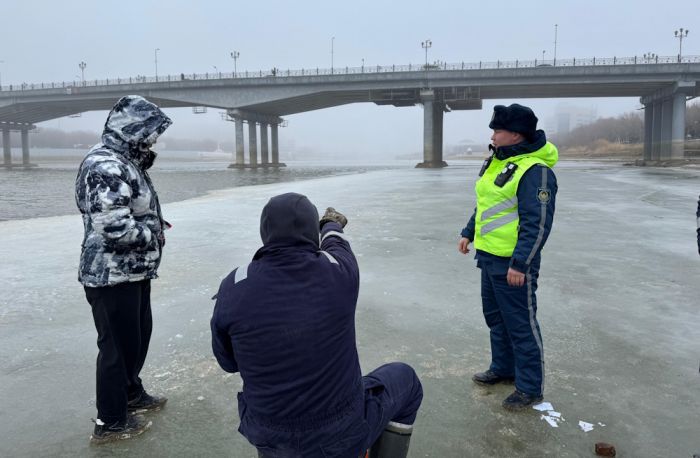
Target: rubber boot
(393,443)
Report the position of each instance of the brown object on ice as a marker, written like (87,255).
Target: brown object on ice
(604,449)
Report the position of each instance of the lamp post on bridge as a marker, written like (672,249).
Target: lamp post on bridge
(649,57)
(543,51)
(82,66)
(332,42)
(156,59)
(235,55)
(680,34)
(556,26)
(427,44)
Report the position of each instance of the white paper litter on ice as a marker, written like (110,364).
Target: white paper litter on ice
(552,421)
(585,426)
(542,406)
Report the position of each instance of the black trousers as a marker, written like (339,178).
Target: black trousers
(122,315)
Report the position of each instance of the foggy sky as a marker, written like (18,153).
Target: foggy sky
(44,43)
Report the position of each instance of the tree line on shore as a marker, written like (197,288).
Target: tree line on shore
(627,128)
(46,137)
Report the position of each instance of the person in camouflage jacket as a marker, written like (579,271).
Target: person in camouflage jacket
(120,209)
(121,252)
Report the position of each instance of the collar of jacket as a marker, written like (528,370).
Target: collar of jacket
(284,249)
(528,146)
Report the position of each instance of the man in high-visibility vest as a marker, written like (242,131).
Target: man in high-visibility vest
(515,196)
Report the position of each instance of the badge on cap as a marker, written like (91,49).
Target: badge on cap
(543,195)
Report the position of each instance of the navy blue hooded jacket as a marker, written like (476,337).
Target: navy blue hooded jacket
(535,222)
(286,321)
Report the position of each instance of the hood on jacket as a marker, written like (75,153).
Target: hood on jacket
(289,220)
(133,126)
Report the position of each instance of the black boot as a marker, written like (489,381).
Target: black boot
(393,443)
(490,378)
(145,402)
(519,400)
(120,430)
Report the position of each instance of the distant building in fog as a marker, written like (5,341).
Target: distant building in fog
(568,117)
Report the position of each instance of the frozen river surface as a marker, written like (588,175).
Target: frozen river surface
(618,306)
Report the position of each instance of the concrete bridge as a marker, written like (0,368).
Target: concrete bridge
(262,98)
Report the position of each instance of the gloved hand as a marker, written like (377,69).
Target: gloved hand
(161,238)
(333,215)
(161,235)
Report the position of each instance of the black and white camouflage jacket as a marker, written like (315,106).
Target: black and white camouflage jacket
(121,214)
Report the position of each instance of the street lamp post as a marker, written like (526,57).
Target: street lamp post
(649,57)
(543,51)
(426,45)
(156,59)
(680,34)
(363,65)
(82,66)
(332,40)
(555,43)
(235,55)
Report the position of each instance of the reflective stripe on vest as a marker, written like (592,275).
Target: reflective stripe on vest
(504,205)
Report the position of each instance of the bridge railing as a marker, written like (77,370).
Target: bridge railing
(75,85)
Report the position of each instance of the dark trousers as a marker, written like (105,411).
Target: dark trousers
(392,392)
(122,315)
(511,315)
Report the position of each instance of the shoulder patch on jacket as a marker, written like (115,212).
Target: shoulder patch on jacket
(544,195)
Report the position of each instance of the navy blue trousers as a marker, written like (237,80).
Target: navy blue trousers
(392,392)
(511,315)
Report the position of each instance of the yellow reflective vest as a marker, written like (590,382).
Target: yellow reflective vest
(497,220)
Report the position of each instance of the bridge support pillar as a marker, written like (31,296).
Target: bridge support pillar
(25,147)
(253,143)
(274,144)
(6,149)
(240,151)
(253,119)
(666,123)
(264,158)
(648,130)
(678,127)
(656,131)
(274,139)
(432,131)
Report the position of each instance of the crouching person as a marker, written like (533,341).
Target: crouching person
(286,322)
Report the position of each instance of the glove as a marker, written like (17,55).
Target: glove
(161,235)
(333,215)
(161,238)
